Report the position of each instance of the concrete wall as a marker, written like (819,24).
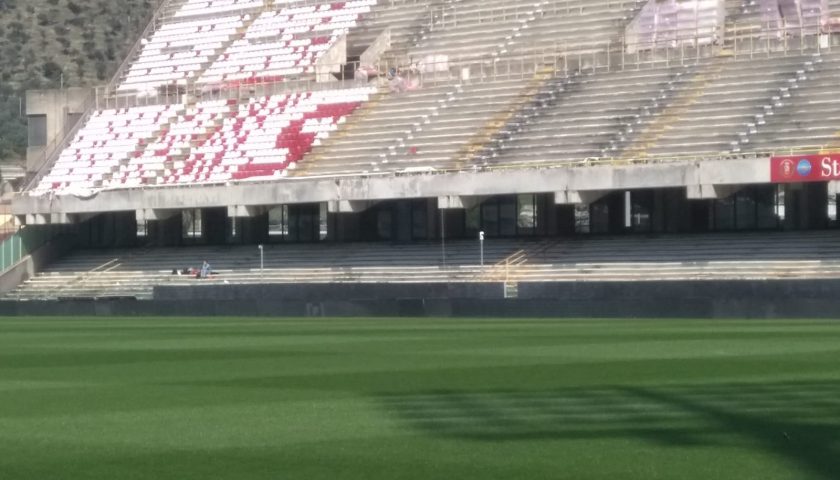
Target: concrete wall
(59,107)
(31,264)
(701,299)
(337,292)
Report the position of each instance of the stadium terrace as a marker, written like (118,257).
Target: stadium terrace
(245,123)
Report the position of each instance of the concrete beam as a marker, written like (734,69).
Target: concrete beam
(37,219)
(152,214)
(394,187)
(56,218)
(60,219)
(245,211)
(458,202)
(574,197)
(348,206)
(710,192)
(82,217)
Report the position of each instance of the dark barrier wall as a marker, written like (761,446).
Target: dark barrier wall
(330,292)
(708,299)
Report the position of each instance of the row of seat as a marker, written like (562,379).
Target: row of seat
(266,137)
(285,43)
(99,273)
(674,23)
(712,107)
(213,141)
(108,138)
(209,8)
(176,52)
(232,42)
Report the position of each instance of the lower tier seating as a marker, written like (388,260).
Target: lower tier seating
(678,257)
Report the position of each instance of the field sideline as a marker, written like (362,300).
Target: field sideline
(418,399)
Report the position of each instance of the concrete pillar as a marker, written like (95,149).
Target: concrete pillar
(457,202)
(166,232)
(214,225)
(348,227)
(576,197)
(711,192)
(245,211)
(154,214)
(402,221)
(349,206)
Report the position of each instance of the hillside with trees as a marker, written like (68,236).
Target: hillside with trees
(50,43)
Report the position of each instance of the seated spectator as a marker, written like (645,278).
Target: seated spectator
(397,85)
(205,270)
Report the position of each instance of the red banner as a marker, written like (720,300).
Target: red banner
(805,168)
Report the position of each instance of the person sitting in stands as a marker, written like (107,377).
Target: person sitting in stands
(397,84)
(205,270)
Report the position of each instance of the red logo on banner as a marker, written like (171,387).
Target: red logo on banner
(787,168)
(805,168)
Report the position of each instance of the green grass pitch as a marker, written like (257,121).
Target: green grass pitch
(369,399)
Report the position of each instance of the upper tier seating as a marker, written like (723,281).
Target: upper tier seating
(227,42)
(574,26)
(809,117)
(712,108)
(267,136)
(191,125)
(405,19)
(210,8)
(212,141)
(415,131)
(472,29)
(587,112)
(674,23)
(628,111)
(716,105)
(107,139)
(177,51)
(776,18)
(284,43)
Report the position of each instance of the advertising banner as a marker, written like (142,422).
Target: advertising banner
(805,168)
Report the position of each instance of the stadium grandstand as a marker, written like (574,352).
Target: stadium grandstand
(371,141)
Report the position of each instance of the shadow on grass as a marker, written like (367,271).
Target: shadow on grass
(797,421)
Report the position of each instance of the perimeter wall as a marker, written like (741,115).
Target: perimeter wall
(694,299)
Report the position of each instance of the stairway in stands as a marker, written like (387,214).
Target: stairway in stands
(677,105)
(542,92)
(654,106)
(782,98)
